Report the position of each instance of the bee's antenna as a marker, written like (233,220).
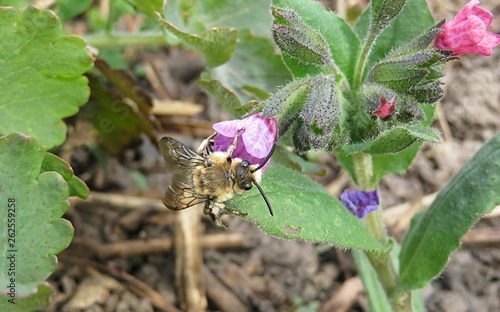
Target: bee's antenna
(264,195)
(265,161)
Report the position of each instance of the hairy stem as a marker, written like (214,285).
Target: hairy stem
(381,262)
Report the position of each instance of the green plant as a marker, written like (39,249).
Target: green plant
(365,93)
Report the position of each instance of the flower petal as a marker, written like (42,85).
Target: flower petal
(257,136)
(360,203)
(467,32)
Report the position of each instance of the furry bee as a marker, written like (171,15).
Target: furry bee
(208,176)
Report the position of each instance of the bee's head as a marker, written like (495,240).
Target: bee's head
(244,176)
(247,175)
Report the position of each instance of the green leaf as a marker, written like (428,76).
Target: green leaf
(216,44)
(393,163)
(53,163)
(393,140)
(240,14)
(149,7)
(414,19)
(383,164)
(383,11)
(116,122)
(303,210)
(19,4)
(225,97)
(434,234)
(41,75)
(343,42)
(297,39)
(254,63)
(199,15)
(39,301)
(33,229)
(67,9)
(375,292)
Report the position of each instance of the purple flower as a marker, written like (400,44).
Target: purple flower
(467,32)
(255,141)
(360,203)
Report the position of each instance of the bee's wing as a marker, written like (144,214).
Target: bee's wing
(180,159)
(181,162)
(181,194)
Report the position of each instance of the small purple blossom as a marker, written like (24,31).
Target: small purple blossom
(360,203)
(256,138)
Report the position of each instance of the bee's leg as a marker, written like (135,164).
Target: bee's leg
(207,210)
(206,145)
(231,148)
(216,210)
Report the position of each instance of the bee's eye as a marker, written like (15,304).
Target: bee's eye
(247,186)
(245,164)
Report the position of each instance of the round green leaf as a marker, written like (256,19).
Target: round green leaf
(36,302)
(41,74)
(31,205)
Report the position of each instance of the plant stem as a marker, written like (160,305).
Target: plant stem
(358,73)
(381,262)
(125,40)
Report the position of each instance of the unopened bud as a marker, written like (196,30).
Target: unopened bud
(321,108)
(298,39)
(286,104)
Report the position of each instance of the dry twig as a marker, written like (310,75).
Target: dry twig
(133,284)
(345,297)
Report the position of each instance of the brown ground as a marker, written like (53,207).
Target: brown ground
(247,268)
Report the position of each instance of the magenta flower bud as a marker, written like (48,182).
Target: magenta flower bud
(255,141)
(360,203)
(467,32)
(385,109)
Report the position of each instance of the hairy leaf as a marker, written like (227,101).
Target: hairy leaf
(344,44)
(435,233)
(253,63)
(393,140)
(215,44)
(303,210)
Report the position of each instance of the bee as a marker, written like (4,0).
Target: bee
(208,177)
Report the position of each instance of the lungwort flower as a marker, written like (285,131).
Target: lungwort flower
(386,109)
(257,136)
(360,203)
(467,32)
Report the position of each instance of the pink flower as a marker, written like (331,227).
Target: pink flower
(385,109)
(256,138)
(467,32)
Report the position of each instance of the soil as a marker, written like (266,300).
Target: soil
(259,272)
